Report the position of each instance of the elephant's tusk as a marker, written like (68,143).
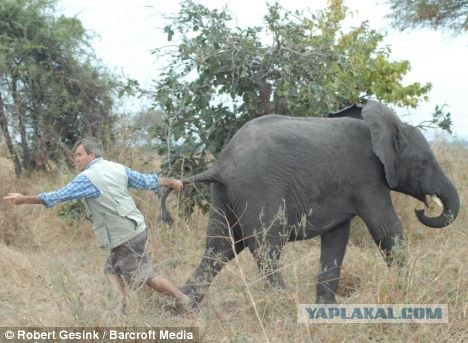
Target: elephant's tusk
(434,199)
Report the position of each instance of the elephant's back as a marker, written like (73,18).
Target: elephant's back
(270,137)
(270,150)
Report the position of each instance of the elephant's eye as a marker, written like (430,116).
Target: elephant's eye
(426,160)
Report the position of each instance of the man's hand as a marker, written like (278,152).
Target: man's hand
(173,183)
(19,199)
(15,198)
(176,184)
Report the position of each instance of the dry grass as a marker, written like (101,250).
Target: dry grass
(51,274)
(7,182)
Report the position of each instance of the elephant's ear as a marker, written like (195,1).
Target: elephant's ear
(384,127)
(353,111)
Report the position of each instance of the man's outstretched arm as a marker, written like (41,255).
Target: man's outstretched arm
(20,199)
(79,188)
(150,181)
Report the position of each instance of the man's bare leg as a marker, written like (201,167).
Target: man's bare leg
(165,287)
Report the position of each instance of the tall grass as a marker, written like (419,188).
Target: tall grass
(51,273)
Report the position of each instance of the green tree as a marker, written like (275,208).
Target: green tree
(52,90)
(447,15)
(220,77)
(299,64)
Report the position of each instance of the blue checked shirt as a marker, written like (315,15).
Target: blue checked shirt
(81,187)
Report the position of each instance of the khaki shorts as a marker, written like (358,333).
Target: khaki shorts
(131,262)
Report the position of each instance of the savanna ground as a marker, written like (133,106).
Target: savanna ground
(51,272)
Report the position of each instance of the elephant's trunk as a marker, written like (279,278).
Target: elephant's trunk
(451,205)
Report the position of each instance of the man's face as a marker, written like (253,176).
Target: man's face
(82,158)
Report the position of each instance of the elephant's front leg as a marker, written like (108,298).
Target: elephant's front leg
(332,250)
(385,227)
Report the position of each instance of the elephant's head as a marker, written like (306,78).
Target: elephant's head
(410,165)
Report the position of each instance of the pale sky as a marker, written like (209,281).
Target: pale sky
(127,30)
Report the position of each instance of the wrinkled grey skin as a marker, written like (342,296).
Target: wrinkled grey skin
(283,179)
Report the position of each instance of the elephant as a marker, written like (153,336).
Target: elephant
(283,178)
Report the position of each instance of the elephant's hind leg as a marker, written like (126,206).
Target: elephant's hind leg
(332,250)
(269,236)
(222,243)
(266,246)
(267,254)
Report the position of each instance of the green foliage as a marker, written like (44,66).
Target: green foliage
(71,212)
(441,119)
(136,130)
(448,14)
(187,159)
(52,87)
(298,64)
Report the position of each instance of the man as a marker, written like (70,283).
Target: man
(117,223)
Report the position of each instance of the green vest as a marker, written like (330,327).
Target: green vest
(115,217)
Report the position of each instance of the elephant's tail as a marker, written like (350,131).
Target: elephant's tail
(209,175)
